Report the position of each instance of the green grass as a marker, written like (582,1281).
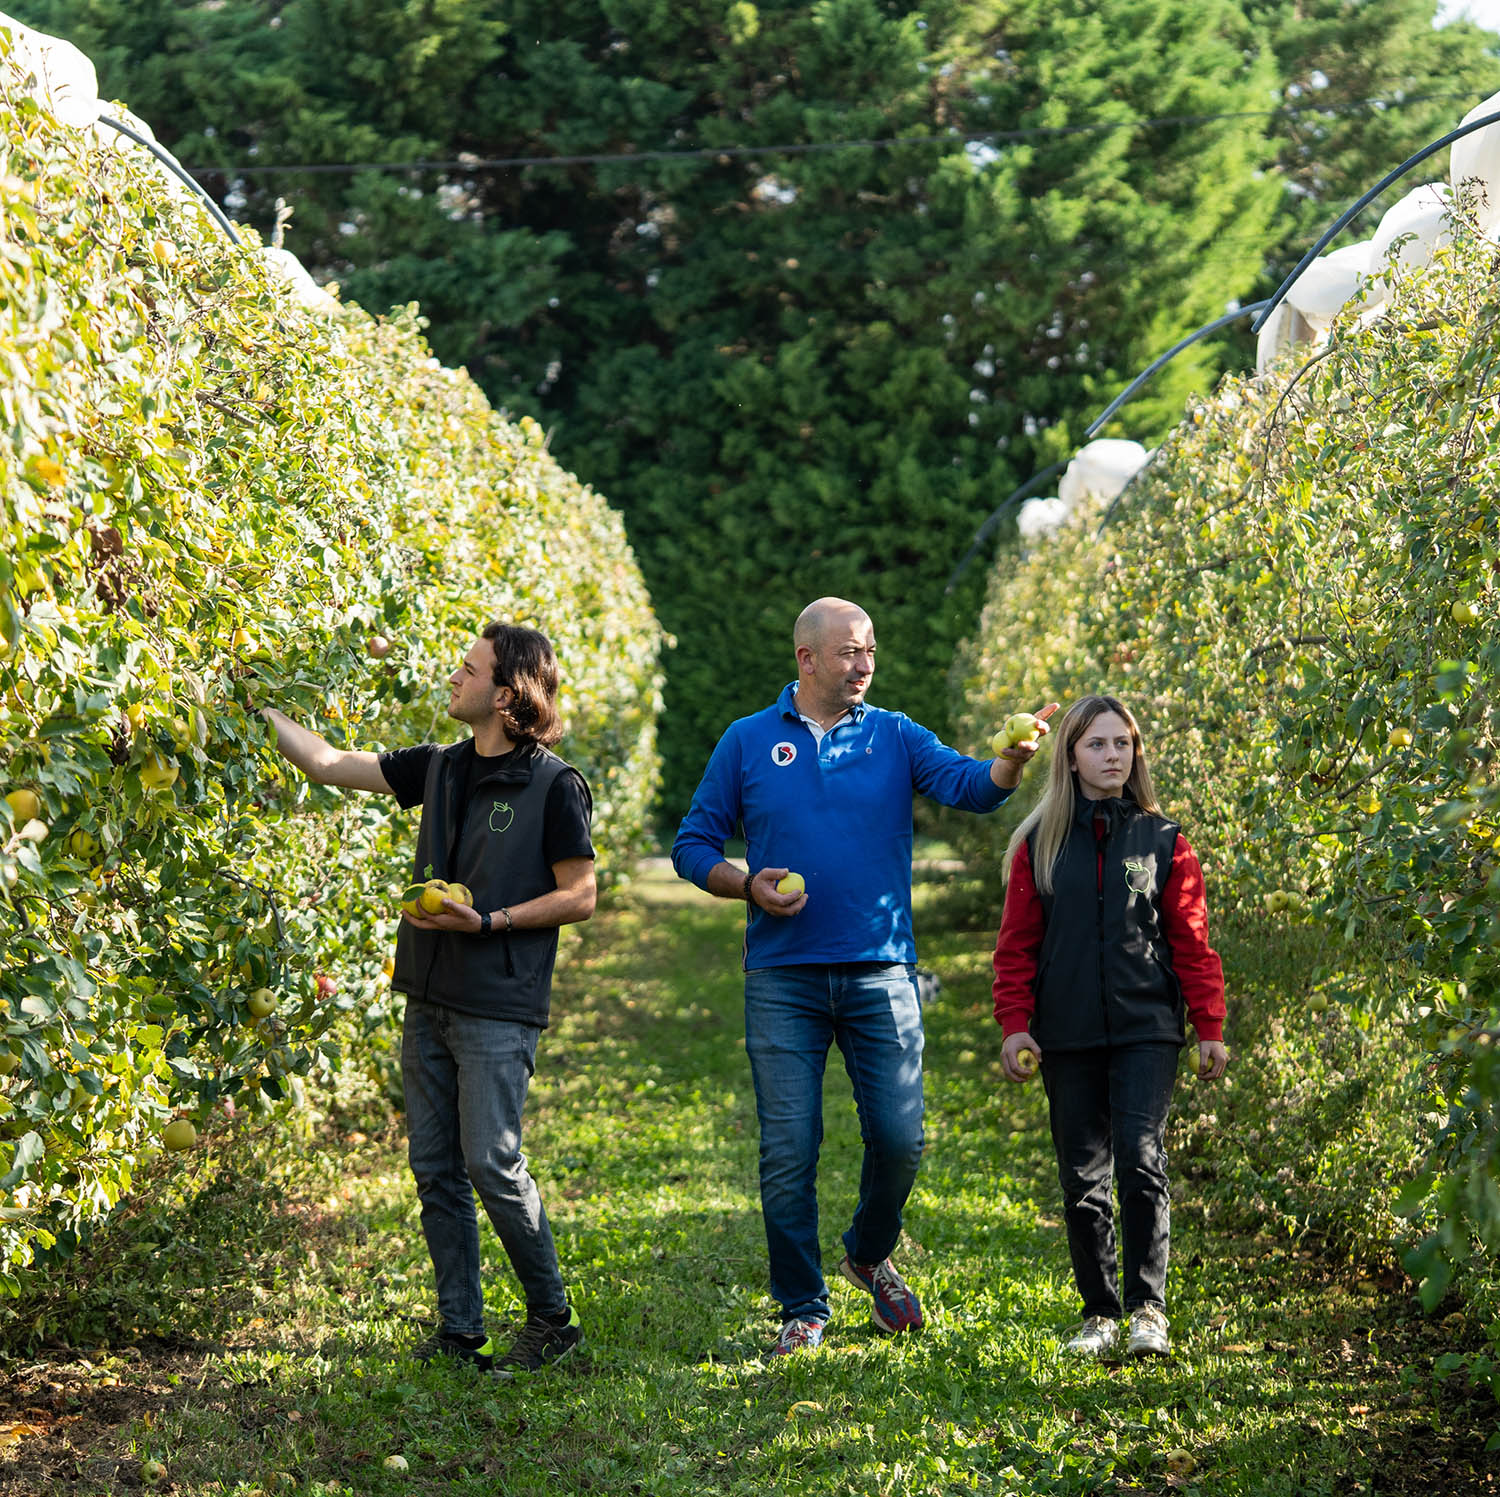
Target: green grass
(302,1277)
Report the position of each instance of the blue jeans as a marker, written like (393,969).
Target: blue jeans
(791,1015)
(1109,1117)
(466,1080)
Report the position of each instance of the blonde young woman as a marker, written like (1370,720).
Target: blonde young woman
(1102,955)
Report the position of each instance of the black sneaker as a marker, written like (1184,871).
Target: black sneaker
(539,1342)
(476,1351)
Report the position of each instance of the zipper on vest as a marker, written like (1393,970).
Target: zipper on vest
(1101,864)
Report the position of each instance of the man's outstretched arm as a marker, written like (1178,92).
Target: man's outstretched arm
(352,769)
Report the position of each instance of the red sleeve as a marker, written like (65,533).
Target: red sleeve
(1185,924)
(1017,947)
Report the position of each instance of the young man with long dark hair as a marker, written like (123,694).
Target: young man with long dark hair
(508,819)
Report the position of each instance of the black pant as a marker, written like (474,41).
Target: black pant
(1108,1109)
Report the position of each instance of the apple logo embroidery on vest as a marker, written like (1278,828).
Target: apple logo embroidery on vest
(1140,876)
(501,817)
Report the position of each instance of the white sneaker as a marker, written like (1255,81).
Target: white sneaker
(1148,1333)
(1094,1338)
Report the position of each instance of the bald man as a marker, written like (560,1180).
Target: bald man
(823,785)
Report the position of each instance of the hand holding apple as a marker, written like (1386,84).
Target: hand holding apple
(1016,742)
(1020,1056)
(1213,1058)
(766,891)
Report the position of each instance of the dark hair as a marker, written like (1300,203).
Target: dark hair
(524,662)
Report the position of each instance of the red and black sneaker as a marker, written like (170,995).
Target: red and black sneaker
(896,1306)
(797,1335)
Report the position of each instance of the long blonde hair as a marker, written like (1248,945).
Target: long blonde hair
(1052,816)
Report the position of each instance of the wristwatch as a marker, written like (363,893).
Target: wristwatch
(484,923)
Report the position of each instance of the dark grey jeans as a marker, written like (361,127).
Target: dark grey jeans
(1108,1110)
(466,1080)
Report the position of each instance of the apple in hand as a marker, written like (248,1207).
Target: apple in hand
(434,892)
(1018,728)
(791,883)
(1026,1062)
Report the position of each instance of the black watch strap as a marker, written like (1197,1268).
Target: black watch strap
(484,923)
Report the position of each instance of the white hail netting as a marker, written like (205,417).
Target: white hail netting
(57,74)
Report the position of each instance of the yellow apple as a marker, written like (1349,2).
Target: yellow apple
(1464,613)
(261,1003)
(434,891)
(459,894)
(791,883)
(153,1473)
(243,639)
(81,843)
(25,805)
(1023,727)
(395,1463)
(1026,1062)
(10,1063)
(1018,728)
(409,897)
(1316,1004)
(1180,1464)
(158,773)
(1400,738)
(179,1134)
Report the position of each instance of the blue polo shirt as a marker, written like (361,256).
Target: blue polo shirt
(839,813)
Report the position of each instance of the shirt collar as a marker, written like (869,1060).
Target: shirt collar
(787,704)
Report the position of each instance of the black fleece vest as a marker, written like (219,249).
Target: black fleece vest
(1105,975)
(500,854)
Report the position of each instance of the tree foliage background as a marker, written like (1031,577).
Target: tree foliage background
(808,370)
